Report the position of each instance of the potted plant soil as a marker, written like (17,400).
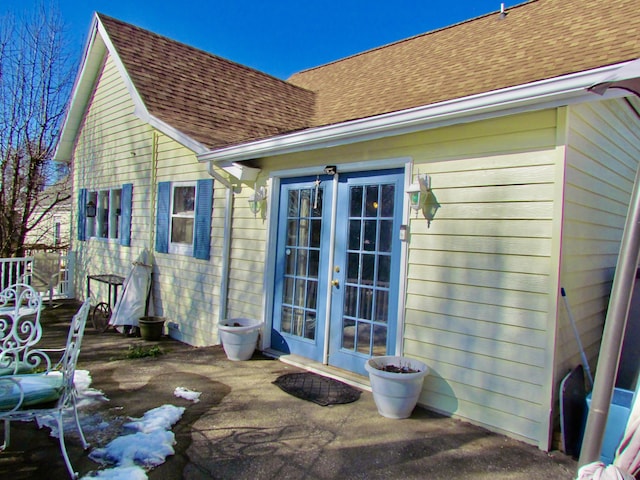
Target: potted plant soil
(239,337)
(396,383)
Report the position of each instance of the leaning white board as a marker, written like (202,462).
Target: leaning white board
(131,304)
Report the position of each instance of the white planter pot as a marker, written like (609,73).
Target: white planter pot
(239,337)
(395,394)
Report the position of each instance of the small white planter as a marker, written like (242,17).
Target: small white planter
(239,337)
(395,394)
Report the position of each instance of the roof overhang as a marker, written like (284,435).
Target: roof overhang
(625,77)
(96,49)
(539,95)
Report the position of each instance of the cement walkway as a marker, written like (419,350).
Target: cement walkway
(246,428)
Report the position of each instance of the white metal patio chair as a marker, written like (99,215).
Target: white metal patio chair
(27,396)
(20,331)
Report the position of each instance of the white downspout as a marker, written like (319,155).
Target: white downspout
(226,244)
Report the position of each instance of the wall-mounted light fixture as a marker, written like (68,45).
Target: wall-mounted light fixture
(417,192)
(256,200)
(91,209)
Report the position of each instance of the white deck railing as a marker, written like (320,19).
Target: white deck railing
(48,273)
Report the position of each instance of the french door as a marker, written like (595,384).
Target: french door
(337,267)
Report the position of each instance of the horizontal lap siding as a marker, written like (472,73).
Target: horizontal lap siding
(603,149)
(106,158)
(115,147)
(186,290)
(246,275)
(477,308)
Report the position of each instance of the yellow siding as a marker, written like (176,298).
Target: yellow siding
(477,294)
(115,147)
(603,150)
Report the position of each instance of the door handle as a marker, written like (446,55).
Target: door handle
(335,282)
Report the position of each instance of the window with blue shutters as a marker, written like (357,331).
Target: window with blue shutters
(183,218)
(106,214)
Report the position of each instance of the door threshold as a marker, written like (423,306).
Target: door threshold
(350,378)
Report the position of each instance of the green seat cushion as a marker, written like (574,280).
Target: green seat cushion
(22,368)
(38,389)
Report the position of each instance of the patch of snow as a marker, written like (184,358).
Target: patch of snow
(147,448)
(183,392)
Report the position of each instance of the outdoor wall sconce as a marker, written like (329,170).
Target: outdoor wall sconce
(256,200)
(418,191)
(91,209)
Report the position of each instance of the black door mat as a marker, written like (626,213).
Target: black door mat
(316,388)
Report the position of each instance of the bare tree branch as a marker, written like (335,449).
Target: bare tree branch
(36,76)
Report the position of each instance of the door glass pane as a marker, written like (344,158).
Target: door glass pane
(366,290)
(355,202)
(384,271)
(372,201)
(379,340)
(316,228)
(348,335)
(285,323)
(292,232)
(364,338)
(368,269)
(370,234)
(386,235)
(301,262)
(387,196)
(354,234)
(310,326)
(314,261)
(353,267)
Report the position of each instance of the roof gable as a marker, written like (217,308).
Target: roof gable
(537,40)
(212,100)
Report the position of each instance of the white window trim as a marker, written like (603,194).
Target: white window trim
(182,248)
(114,219)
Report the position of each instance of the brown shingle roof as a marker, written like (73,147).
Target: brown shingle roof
(218,102)
(214,101)
(537,40)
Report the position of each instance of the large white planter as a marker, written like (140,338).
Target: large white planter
(396,394)
(239,337)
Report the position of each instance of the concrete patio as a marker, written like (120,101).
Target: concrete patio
(246,428)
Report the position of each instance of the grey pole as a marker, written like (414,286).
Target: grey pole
(614,328)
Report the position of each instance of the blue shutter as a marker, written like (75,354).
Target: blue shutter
(125,214)
(82,214)
(162,217)
(204,204)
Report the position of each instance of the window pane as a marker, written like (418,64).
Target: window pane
(184,199)
(103,214)
(182,230)
(114,219)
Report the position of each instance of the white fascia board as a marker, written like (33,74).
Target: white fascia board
(92,58)
(98,45)
(533,96)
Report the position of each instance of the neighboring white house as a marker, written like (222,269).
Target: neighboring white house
(526,177)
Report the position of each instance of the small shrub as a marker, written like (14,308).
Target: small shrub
(140,351)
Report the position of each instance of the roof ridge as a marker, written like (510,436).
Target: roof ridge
(413,37)
(190,47)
